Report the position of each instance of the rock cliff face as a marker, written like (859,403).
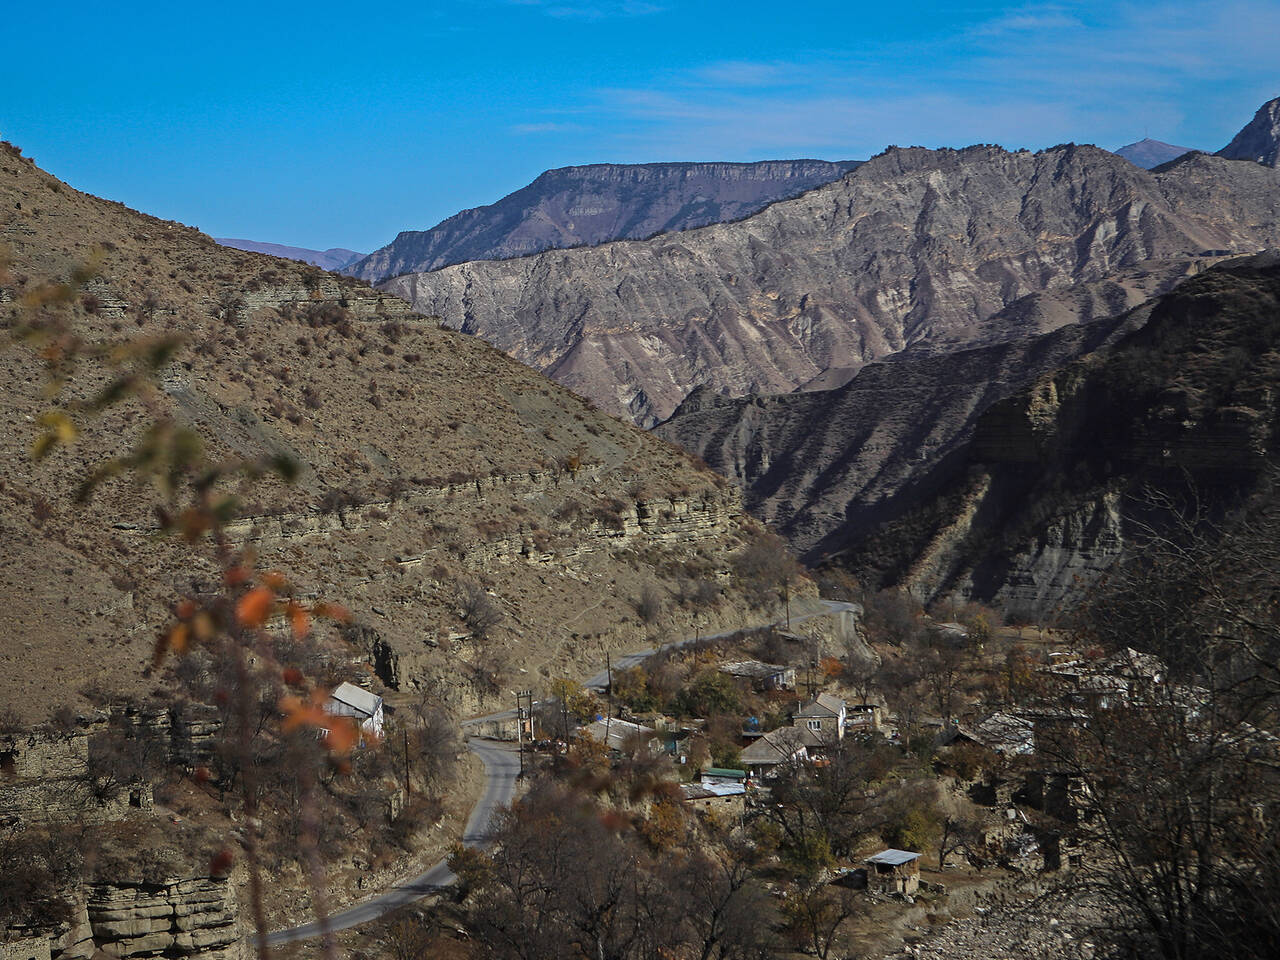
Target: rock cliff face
(823,465)
(1260,139)
(584,206)
(195,917)
(1059,478)
(914,247)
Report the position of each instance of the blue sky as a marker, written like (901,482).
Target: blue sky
(325,124)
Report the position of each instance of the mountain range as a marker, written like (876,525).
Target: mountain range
(588,205)
(335,258)
(914,247)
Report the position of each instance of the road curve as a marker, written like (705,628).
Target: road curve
(501,765)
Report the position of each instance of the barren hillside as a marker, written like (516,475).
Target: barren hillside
(430,458)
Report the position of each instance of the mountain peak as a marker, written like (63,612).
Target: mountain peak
(1148,153)
(1260,138)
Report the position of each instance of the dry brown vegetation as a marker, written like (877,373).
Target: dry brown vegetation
(430,460)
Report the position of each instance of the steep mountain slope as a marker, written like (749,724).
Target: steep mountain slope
(1150,153)
(577,206)
(335,258)
(823,466)
(915,246)
(1260,138)
(430,460)
(1058,479)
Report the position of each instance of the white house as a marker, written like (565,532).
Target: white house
(348,700)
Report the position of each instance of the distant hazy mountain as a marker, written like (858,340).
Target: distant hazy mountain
(1260,139)
(588,205)
(1150,153)
(334,258)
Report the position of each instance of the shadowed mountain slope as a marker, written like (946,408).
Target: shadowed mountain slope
(1058,479)
(915,247)
(577,206)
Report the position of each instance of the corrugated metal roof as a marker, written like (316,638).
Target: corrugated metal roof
(360,700)
(823,705)
(893,858)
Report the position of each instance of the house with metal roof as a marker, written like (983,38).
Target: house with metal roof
(761,676)
(623,735)
(894,871)
(782,746)
(363,706)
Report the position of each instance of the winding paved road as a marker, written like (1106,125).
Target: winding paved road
(501,767)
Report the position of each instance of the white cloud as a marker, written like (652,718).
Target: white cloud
(1034,77)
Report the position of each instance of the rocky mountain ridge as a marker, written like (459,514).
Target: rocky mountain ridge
(914,247)
(1260,139)
(588,205)
(429,460)
(824,465)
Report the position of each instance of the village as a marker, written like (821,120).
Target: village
(905,769)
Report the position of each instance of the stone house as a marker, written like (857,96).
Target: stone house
(783,746)
(727,800)
(894,871)
(824,715)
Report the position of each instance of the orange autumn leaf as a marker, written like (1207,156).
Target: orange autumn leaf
(332,611)
(186,609)
(178,637)
(275,580)
(299,620)
(236,576)
(342,736)
(292,676)
(254,606)
(203,626)
(299,713)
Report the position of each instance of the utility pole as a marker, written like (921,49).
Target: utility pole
(408,787)
(608,668)
(523,714)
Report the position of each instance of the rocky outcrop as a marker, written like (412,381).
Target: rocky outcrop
(1260,139)
(915,247)
(182,917)
(584,206)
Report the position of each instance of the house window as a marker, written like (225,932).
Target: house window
(815,724)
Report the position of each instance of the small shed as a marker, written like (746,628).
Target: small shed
(722,799)
(363,706)
(894,871)
(761,676)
